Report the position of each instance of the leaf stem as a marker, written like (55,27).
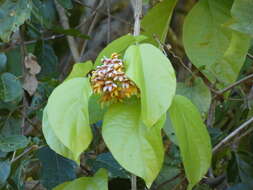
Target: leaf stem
(137,5)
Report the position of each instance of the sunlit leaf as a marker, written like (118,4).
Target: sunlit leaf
(137,148)
(216,50)
(53,141)
(153,73)
(156,21)
(80,70)
(68,115)
(119,46)
(193,139)
(99,182)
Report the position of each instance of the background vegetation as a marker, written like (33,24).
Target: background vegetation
(210,47)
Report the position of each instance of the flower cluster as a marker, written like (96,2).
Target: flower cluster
(110,80)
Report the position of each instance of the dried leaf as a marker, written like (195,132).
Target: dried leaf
(31,64)
(30,83)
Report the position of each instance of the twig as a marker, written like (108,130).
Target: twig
(250,56)
(65,24)
(137,5)
(31,148)
(133,182)
(108,2)
(168,181)
(94,21)
(234,84)
(104,13)
(232,135)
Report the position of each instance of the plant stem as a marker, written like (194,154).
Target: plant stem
(232,135)
(137,5)
(133,182)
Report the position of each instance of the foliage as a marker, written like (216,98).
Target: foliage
(191,69)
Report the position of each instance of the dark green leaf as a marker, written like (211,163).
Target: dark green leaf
(45,12)
(70,32)
(12,15)
(5,169)
(198,93)
(47,60)
(161,14)
(3,62)
(106,160)
(67,4)
(11,88)
(12,143)
(55,168)
(242,13)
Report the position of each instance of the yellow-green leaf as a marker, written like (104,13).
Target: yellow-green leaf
(137,148)
(80,70)
(192,137)
(153,73)
(68,115)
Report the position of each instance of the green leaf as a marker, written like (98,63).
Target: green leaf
(12,15)
(242,13)
(198,93)
(11,88)
(80,70)
(5,170)
(99,182)
(3,62)
(44,13)
(161,14)
(193,138)
(53,141)
(216,50)
(137,148)
(12,143)
(70,32)
(68,115)
(67,4)
(55,169)
(96,112)
(106,160)
(47,60)
(62,186)
(119,46)
(153,73)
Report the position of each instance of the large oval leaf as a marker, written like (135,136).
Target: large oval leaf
(242,13)
(80,70)
(153,73)
(137,148)
(119,45)
(98,182)
(52,140)
(68,115)
(161,14)
(192,137)
(216,50)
